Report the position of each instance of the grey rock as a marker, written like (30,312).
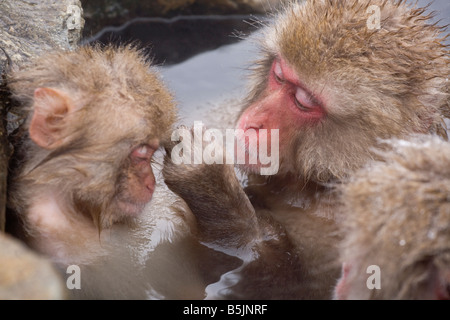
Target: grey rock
(30,27)
(27,29)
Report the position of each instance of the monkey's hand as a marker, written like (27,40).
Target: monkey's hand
(226,218)
(214,195)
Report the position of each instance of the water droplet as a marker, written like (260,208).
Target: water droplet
(431,234)
(402,242)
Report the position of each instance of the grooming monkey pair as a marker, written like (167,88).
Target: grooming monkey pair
(333,87)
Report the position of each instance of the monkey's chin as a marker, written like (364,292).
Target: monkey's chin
(132,208)
(252,169)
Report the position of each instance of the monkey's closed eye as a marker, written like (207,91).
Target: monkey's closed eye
(278,72)
(304,100)
(143,152)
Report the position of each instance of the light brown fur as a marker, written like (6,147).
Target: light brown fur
(397,216)
(119,103)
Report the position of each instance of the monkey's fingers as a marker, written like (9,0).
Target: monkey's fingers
(169,145)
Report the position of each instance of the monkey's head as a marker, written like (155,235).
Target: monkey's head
(336,76)
(397,218)
(94,119)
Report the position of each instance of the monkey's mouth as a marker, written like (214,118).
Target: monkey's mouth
(254,149)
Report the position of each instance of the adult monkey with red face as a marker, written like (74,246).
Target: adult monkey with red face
(334,84)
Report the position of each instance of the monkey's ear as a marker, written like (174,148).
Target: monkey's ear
(49,120)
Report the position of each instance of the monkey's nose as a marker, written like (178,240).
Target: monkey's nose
(252,123)
(255,126)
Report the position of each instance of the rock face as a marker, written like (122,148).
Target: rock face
(25,275)
(100,13)
(27,29)
(4,146)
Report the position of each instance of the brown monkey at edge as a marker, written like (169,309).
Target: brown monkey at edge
(397,224)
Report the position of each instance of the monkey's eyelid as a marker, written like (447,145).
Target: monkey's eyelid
(143,152)
(278,79)
(304,100)
(278,72)
(301,106)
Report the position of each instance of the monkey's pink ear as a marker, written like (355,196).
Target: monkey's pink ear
(49,120)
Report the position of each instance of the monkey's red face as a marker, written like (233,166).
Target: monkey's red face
(285,104)
(137,183)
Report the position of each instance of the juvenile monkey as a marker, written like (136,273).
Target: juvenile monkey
(333,87)
(93,119)
(397,218)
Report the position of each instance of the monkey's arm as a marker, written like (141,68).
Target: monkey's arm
(226,219)
(224,214)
